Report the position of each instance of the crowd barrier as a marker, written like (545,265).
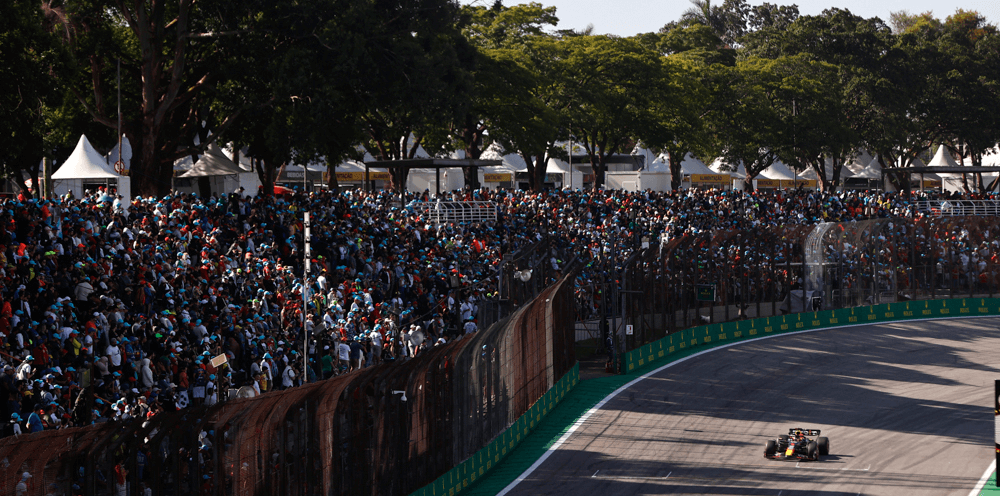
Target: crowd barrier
(475,467)
(389,429)
(728,275)
(712,335)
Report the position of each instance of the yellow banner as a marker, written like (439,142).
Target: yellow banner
(786,183)
(805,183)
(360,176)
(497,177)
(710,178)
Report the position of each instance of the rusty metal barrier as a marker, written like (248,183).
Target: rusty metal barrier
(386,430)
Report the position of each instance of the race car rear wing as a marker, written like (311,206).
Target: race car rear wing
(806,432)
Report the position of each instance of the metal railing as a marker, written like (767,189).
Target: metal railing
(958,208)
(463,212)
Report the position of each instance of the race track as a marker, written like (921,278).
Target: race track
(907,408)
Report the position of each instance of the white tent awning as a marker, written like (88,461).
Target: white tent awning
(779,171)
(85,163)
(213,162)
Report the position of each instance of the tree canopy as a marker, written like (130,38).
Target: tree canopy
(304,81)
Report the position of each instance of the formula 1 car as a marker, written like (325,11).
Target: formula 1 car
(796,446)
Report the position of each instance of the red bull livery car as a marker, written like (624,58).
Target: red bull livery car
(797,445)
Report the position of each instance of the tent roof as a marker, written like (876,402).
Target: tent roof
(510,161)
(992,157)
(873,171)
(112,156)
(350,166)
(916,163)
(778,170)
(213,162)
(85,163)
(863,158)
(691,165)
(721,167)
(942,159)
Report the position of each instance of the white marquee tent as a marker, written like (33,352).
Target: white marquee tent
(87,169)
(126,157)
(872,171)
(949,181)
(223,174)
(779,171)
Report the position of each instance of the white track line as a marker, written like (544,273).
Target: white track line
(576,425)
(982,480)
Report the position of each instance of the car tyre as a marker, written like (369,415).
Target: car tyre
(813,450)
(824,445)
(770,449)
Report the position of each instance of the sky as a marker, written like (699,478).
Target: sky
(630,17)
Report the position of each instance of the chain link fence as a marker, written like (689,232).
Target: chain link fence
(386,430)
(723,276)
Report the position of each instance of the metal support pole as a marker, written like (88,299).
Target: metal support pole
(305,297)
(611,296)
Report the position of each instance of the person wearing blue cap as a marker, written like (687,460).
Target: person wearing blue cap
(14,427)
(24,371)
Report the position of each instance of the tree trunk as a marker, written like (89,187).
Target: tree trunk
(331,179)
(538,183)
(473,150)
(675,169)
(600,166)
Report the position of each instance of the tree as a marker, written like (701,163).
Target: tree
(768,16)
(501,86)
(727,21)
(750,125)
(829,125)
(968,47)
(170,61)
(683,99)
(418,77)
(681,102)
(902,20)
(816,126)
(297,103)
(608,88)
(27,54)
(529,123)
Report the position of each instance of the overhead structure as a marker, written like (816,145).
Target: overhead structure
(869,177)
(85,169)
(425,163)
(917,167)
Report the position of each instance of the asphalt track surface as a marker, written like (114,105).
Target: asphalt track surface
(907,407)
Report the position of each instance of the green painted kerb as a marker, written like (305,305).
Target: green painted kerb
(715,334)
(476,466)
(990,489)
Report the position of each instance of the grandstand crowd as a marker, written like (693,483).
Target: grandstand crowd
(114,311)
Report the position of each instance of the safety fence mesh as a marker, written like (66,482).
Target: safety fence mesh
(721,276)
(386,430)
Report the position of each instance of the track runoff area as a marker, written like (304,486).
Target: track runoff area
(906,407)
